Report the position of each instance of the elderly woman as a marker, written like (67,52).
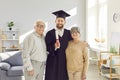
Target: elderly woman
(34,53)
(77,56)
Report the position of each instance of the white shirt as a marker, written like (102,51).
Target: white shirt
(60,32)
(34,48)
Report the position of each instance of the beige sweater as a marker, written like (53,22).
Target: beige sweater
(77,57)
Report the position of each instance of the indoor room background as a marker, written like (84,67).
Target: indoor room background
(25,12)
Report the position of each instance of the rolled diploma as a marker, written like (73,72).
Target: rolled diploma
(56,34)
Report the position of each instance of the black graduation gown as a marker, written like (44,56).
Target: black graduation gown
(56,62)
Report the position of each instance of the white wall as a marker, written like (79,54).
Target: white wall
(113,7)
(25,12)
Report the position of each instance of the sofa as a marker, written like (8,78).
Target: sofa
(11,65)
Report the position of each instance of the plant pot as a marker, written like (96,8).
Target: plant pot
(10,28)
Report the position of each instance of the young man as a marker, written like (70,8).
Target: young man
(56,42)
(34,53)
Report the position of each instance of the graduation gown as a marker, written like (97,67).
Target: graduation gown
(56,62)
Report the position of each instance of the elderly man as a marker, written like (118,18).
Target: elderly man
(34,53)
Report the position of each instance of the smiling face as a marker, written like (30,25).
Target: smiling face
(60,22)
(75,35)
(39,27)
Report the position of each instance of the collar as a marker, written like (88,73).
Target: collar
(60,30)
(36,34)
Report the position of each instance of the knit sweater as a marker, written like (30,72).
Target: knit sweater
(77,57)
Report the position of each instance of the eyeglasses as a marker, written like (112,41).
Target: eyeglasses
(40,26)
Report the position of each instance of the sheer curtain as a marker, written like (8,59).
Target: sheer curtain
(97,23)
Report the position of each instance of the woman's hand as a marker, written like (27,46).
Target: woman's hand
(83,77)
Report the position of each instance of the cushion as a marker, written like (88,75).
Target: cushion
(14,59)
(4,66)
(15,71)
(4,56)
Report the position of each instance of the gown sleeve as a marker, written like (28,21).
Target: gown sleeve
(49,43)
(69,35)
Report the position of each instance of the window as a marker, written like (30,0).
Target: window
(97,23)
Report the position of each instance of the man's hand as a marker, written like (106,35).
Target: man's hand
(30,73)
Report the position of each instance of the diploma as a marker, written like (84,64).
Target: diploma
(57,39)
(56,34)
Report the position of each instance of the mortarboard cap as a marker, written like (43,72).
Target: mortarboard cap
(61,13)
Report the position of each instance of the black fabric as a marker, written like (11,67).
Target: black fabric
(61,13)
(56,62)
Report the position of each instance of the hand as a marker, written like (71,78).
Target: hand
(57,44)
(83,77)
(30,73)
(87,44)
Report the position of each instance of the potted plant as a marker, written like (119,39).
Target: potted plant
(10,25)
(113,50)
